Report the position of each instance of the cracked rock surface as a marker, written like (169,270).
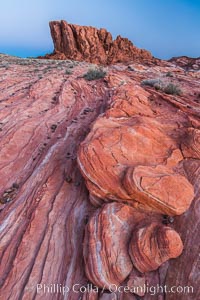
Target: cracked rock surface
(135,156)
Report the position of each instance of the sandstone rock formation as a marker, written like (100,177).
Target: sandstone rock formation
(116,228)
(188,63)
(47,221)
(86,43)
(44,114)
(153,244)
(131,157)
(105,253)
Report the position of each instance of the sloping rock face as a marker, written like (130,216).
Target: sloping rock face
(86,43)
(43,199)
(188,63)
(58,238)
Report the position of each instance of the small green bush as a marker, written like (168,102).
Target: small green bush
(172,89)
(95,73)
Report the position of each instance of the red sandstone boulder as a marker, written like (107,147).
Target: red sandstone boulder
(114,229)
(159,187)
(153,244)
(130,155)
(106,240)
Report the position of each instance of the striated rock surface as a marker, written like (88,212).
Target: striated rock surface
(46,219)
(116,228)
(91,44)
(105,246)
(153,244)
(105,253)
(44,115)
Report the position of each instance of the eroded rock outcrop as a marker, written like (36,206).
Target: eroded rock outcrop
(107,260)
(45,113)
(43,200)
(187,63)
(86,43)
(105,253)
(131,157)
(117,231)
(152,244)
(134,154)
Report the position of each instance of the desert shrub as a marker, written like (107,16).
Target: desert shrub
(166,87)
(156,83)
(131,68)
(68,72)
(4,65)
(172,89)
(169,74)
(95,73)
(122,82)
(71,66)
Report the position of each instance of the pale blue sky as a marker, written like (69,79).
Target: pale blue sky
(165,27)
